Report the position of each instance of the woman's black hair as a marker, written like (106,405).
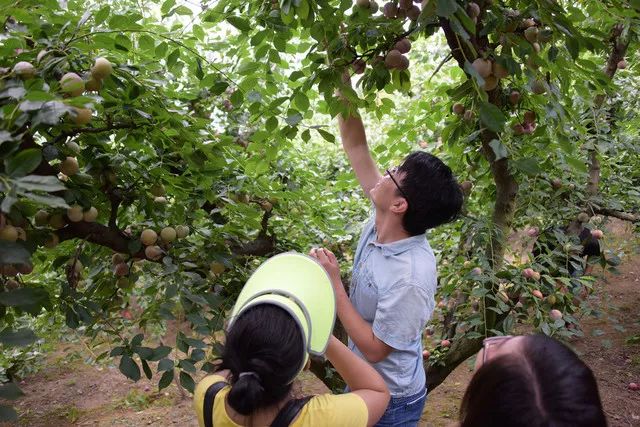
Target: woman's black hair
(543,385)
(265,343)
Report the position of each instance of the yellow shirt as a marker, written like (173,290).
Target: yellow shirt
(348,410)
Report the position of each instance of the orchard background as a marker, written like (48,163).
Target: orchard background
(154,153)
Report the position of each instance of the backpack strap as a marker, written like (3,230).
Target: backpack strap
(209,398)
(290,411)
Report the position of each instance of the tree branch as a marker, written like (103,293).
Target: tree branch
(263,245)
(115,126)
(101,235)
(618,51)
(115,199)
(625,216)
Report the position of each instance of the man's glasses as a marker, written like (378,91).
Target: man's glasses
(398,185)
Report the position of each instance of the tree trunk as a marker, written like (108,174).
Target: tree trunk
(618,51)
(594,173)
(460,351)
(503,213)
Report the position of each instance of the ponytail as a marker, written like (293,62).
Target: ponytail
(246,394)
(262,351)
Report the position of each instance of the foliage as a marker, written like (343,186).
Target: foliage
(219,117)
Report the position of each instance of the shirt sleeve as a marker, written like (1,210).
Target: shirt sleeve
(402,312)
(338,410)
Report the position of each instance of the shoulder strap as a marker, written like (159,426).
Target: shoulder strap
(209,398)
(289,412)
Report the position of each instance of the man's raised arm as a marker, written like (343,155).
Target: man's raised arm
(354,142)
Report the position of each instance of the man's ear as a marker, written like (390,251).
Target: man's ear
(399,206)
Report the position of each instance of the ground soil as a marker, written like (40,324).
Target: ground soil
(68,392)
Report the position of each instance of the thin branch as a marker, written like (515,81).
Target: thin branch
(116,126)
(115,204)
(444,61)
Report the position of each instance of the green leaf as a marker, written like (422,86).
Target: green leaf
(327,135)
(129,367)
(146,369)
(117,351)
(172,59)
(182,10)
(576,164)
(10,391)
(528,165)
(301,101)
(317,31)
(237,98)
(146,42)
(102,14)
(165,380)
(199,32)
(271,124)
(193,342)
(137,340)
(197,354)
(446,8)
(145,353)
(466,21)
(40,183)
(240,23)
(160,353)
(492,117)
(167,6)
(187,366)
(165,365)
(573,47)
(18,338)
(47,199)
(293,118)
(186,381)
(122,42)
(24,162)
(181,344)
(161,50)
(498,149)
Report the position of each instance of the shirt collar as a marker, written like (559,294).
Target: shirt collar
(399,246)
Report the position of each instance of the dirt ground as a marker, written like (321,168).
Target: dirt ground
(68,392)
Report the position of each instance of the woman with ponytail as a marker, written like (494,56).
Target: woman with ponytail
(264,351)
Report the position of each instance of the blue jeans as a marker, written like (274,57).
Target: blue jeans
(404,411)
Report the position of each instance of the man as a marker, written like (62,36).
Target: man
(394,273)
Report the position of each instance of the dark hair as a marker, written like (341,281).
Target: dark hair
(435,197)
(266,341)
(543,385)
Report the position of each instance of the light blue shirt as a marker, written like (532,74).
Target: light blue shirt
(393,287)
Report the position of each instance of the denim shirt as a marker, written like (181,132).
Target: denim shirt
(393,287)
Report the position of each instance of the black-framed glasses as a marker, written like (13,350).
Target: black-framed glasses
(398,185)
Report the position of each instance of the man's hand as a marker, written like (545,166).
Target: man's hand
(328,260)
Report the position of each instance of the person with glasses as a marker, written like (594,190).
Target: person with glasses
(391,295)
(531,381)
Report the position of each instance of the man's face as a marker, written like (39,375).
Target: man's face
(386,192)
